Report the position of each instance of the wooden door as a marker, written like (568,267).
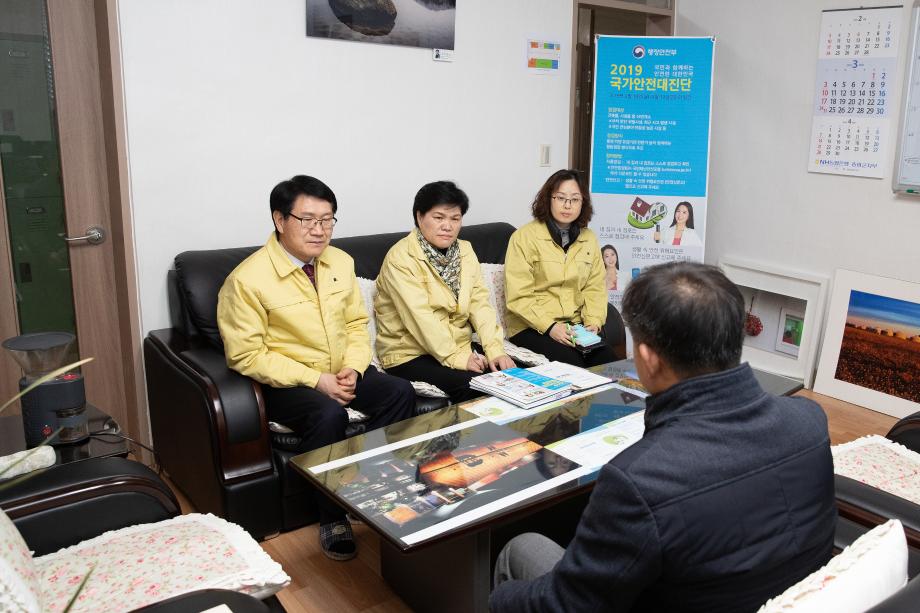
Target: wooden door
(97,271)
(598,17)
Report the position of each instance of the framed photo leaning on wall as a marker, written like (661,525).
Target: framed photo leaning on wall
(871,354)
(784,313)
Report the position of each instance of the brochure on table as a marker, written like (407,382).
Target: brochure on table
(580,378)
(500,411)
(598,446)
(521,386)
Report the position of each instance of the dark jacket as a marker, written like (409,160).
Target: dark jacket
(726,501)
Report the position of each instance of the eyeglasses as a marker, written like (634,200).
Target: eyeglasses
(574,200)
(308,223)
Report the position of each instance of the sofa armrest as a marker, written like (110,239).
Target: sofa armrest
(615,332)
(202,600)
(211,458)
(847,531)
(903,601)
(907,432)
(68,503)
(868,506)
(236,400)
(231,412)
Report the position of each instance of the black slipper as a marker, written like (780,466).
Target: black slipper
(337,540)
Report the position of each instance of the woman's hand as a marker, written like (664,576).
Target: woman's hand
(561,334)
(502,362)
(476,363)
(595,329)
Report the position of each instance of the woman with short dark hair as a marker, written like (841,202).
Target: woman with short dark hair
(554,277)
(430,296)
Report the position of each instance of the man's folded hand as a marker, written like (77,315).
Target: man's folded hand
(330,385)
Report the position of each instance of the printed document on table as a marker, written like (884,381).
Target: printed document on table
(580,378)
(599,445)
(496,410)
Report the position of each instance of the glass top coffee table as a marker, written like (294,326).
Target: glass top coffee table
(444,490)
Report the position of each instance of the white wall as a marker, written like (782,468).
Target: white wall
(224,98)
(763,205)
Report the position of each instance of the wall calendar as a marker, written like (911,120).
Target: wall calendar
(857,63)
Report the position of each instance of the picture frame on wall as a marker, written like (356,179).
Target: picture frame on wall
(871,353)
(429,24)
(789,331)
(774,298)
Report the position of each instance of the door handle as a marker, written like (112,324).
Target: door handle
(94,236)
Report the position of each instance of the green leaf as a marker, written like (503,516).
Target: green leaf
(51,375)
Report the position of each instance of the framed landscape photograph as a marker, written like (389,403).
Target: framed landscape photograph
(783,321)
(871,354)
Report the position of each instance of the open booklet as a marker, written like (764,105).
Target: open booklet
(530,387)
(521,386)
(580,378)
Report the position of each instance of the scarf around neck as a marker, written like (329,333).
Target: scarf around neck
(446,264)
(557,233)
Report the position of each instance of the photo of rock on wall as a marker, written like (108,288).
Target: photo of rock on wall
(412,23)
(881,345)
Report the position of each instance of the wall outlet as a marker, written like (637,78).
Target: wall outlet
(545,155)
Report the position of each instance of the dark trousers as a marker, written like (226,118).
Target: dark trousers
(455,383)
(557,352)
(613,332)
(321,421)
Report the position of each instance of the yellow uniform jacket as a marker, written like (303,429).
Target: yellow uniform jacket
(545,285)
(417,313)
(280,330)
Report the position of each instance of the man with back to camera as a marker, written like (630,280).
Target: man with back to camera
(728,498)
(292,317)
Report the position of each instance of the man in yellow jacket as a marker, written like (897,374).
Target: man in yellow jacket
(291,317)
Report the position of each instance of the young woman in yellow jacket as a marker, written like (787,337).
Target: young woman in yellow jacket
(430,297)
(555,278)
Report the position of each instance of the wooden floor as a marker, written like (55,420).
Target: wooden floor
(320,584)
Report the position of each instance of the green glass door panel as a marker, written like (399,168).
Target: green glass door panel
(30,159)
(41,265)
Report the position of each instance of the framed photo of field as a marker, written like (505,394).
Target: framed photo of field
(871,353)
(784,309)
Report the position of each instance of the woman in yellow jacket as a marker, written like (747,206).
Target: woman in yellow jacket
(555,277)
(430,297)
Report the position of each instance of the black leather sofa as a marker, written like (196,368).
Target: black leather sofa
(907,432)
(208,422)
(66,504)
(861,507)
